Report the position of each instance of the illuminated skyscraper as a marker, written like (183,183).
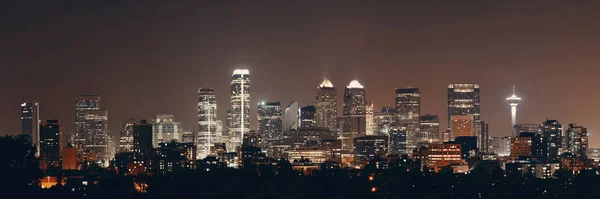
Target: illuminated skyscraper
(463,99)
(50,143)
(369,119)
(326,105)
(290,121)
(552,138)
(126,137)
(462,126)
(354,114)
(207,122)
(240,107)
(397,139)
(270,120)
(307,116)
(96,135)
(30,123)
(408,106)
(82,136)
(384,120)
(165,129)
(431,125)
(577,140)
(142,139)
(513,101)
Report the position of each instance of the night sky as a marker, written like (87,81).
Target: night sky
(151,58)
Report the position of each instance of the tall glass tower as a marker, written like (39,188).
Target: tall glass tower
(207,122)
(30,123)
(408,107)
(91,129)
(240,107)
(326,105)
(463,99)
(269,120)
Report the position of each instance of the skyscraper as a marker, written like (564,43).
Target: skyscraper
(513,101)
(482,133)
(30,123)
(369,119)
(529,128)
(431,125)
(384,120)
(165,129)
(83,136)
(96,135)
(207,121)
(408,106)
(577,140)
(552,137)
(269,120)
(354,114)
(398,140)
(290,121)
(126,137)
(463,99)
(50,143)
(326,105)
(307,116)
(142,139)
(462,125)
(240,106)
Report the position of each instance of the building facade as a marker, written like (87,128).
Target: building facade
(430,125)
(126,137)
(240,107)
(291,117)
(397,137)
(270,121)
(462,125)
(354,114)
(165,129)
(30,123)
(142,139)
(463,99)
(408,107)
(50,143)
(577,140)
(326,105)
(384,120)
(552,134)
(308,116)
(207,121)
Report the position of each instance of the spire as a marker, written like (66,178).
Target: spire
(513,89)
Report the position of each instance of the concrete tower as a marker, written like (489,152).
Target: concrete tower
(513,101)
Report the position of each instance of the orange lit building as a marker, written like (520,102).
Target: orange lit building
(442,155)
(462,125)
(520,147)
(69,158)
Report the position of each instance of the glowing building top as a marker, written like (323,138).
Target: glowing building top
(354,84)
(326,83)
(513,100)
(241,72)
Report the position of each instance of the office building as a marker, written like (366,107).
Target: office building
(50,143)
(526,128)
(522,146)
(443,155)
(494,145)
(513,101)
(552,133)
(462,125)
(207,121)
(165,129)
(482,133)
(307,116)
(577,141)
(369,147)
(142,139)
(384,120)
(126,137)
(505,146)
(30,123)
(468,145)
(354,113)
(369,119)
(69,158)
(174,157)
(270,121)
(290,121)
(463,99)
(408,107)
(326,105)
(430,125)
(95,136)
(397,137)
(240,107)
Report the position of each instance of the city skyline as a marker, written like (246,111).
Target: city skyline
(518,59)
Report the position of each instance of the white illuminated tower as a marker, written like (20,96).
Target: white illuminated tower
(513,101)
(240,107)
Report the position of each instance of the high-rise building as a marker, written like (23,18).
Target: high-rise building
(443,155)
(552,135)
(30,123)
(468,145)
(207,121)
(165,129)
(240,107)
(526,128)
(95,135)
(504,147)
(494,145)
(513,101)
(430,124)
(384,120)
(521,146)
(354,114)
(50,143)
(463,99)
(142,139)
(408,107)
(369,119)
(290,121)
(270,121)
(397,137)
(462,125)
(577,140)
(69,158)
(482,133)
(369,147)
(326,104)
(126,137)
(307,116)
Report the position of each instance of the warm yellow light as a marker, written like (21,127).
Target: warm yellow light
(373,189)
(371,178)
